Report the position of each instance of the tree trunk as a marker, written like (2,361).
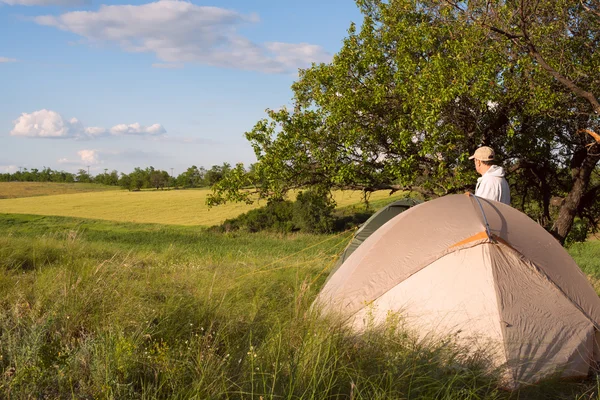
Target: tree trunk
(581,169)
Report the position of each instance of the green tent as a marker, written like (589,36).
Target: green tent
(376,220)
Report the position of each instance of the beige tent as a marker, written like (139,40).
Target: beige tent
(482,272)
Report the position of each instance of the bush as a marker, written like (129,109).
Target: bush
(313,211)
(276,216)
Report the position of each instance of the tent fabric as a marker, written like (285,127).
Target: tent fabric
(452,296)
(479,269)
(374,222)
(542,329)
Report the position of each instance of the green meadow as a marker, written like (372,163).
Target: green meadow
(96,309)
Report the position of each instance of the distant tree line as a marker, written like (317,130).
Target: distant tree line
(193,177)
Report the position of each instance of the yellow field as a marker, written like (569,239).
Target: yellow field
(174,207)
(10,190)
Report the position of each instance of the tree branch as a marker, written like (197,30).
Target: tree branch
(509,35)
(592,134)
(392,188)
(569,84)
(531,48)
(590,10)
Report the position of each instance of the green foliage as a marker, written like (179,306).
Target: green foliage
(148,311)
(313,211)
(192,177)
(139,178)
(144,179)
(578,233)
(276,216)
(83,176)
(125,182)
(419,86)
(35,175)
(107,178)
(216,174)
(159,179)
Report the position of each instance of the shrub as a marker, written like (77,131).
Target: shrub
(276,216)
(313,211)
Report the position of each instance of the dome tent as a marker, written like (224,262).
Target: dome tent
(374,222)
(475,269)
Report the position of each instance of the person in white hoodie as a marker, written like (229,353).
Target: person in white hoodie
(492,185)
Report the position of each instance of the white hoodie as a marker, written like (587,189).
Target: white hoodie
(493,186)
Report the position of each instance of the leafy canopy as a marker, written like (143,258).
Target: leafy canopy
(419,86)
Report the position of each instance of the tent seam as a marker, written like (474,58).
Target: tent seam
(512,371)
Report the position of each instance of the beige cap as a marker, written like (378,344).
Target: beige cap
(483,153)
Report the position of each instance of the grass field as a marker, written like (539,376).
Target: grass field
(92,308)
(174,207)
(95,309)
(10,190)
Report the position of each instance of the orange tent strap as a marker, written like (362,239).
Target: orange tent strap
(478,236)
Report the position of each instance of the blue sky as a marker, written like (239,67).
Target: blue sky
(168,84)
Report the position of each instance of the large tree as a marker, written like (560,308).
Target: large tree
(423,83)
(558,39)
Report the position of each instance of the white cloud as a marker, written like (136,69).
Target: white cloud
(7,60)
(9,169)
(50,124)
(178,31)
(85,157)
(45,124)
(42,2)
(297,54)
(137,129)
(88,156)
(94,131)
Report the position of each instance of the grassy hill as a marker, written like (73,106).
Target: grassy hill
(172,207)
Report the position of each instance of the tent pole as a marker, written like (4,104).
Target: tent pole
(487,225)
